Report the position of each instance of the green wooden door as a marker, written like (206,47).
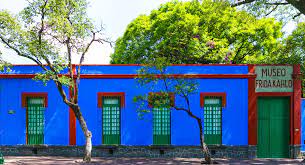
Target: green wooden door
(1,158)
(35,121)
(161,126)
(273,127)
(111,120)
(212,120)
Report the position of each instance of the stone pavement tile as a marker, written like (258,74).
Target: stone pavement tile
(43,160)
(261,161)
(46,160)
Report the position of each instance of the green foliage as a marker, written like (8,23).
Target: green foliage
(42,30)
(156,76)
(194,32)
(4,66)
(293,51)
(142,106)
(295,44)
(53,33)
(280,9)
(49,75)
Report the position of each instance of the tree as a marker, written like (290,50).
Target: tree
(282,8)
(52,33)
(295,44)
(293,51)
(155,76)
(194,32)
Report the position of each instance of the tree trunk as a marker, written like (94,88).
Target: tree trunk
(87,133)
(205,150)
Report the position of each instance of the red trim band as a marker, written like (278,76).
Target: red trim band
(130,76)
(272,64)
(100,96)
(170,65)
(141,65)
(25,95)
(72,127)
(275,94)
(17,75)
(297,94)
(223,96)
(122,76)
(252,111)
(22,76)
(72,118)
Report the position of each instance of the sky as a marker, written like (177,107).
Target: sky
(115,15)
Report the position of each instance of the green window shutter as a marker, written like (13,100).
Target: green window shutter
(35,123)
(1,158)
(111,120)
(161,126)
(212,120)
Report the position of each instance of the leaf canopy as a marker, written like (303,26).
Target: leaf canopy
(49,32)
(194,32)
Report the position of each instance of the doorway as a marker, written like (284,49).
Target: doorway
(273,127)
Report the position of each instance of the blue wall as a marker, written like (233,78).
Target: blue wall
(303,125)
(206,69)
(133,131)
(13,126)
(184,129)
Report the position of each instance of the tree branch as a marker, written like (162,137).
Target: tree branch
(250,1)
(79,66)
(277,3)
(86,49)
(272,10)
(64,96)
(237,53)
(42,21)
(56,38)
(188,112)
(295,16)
(242,2)
(244,55)
(71,71)
(94,39)
(40,33)
(37,61)
(58,84)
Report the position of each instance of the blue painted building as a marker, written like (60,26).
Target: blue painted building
(234,85)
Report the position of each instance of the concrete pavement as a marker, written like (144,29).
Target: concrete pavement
(44,160)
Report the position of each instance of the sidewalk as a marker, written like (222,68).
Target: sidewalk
(43,160)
